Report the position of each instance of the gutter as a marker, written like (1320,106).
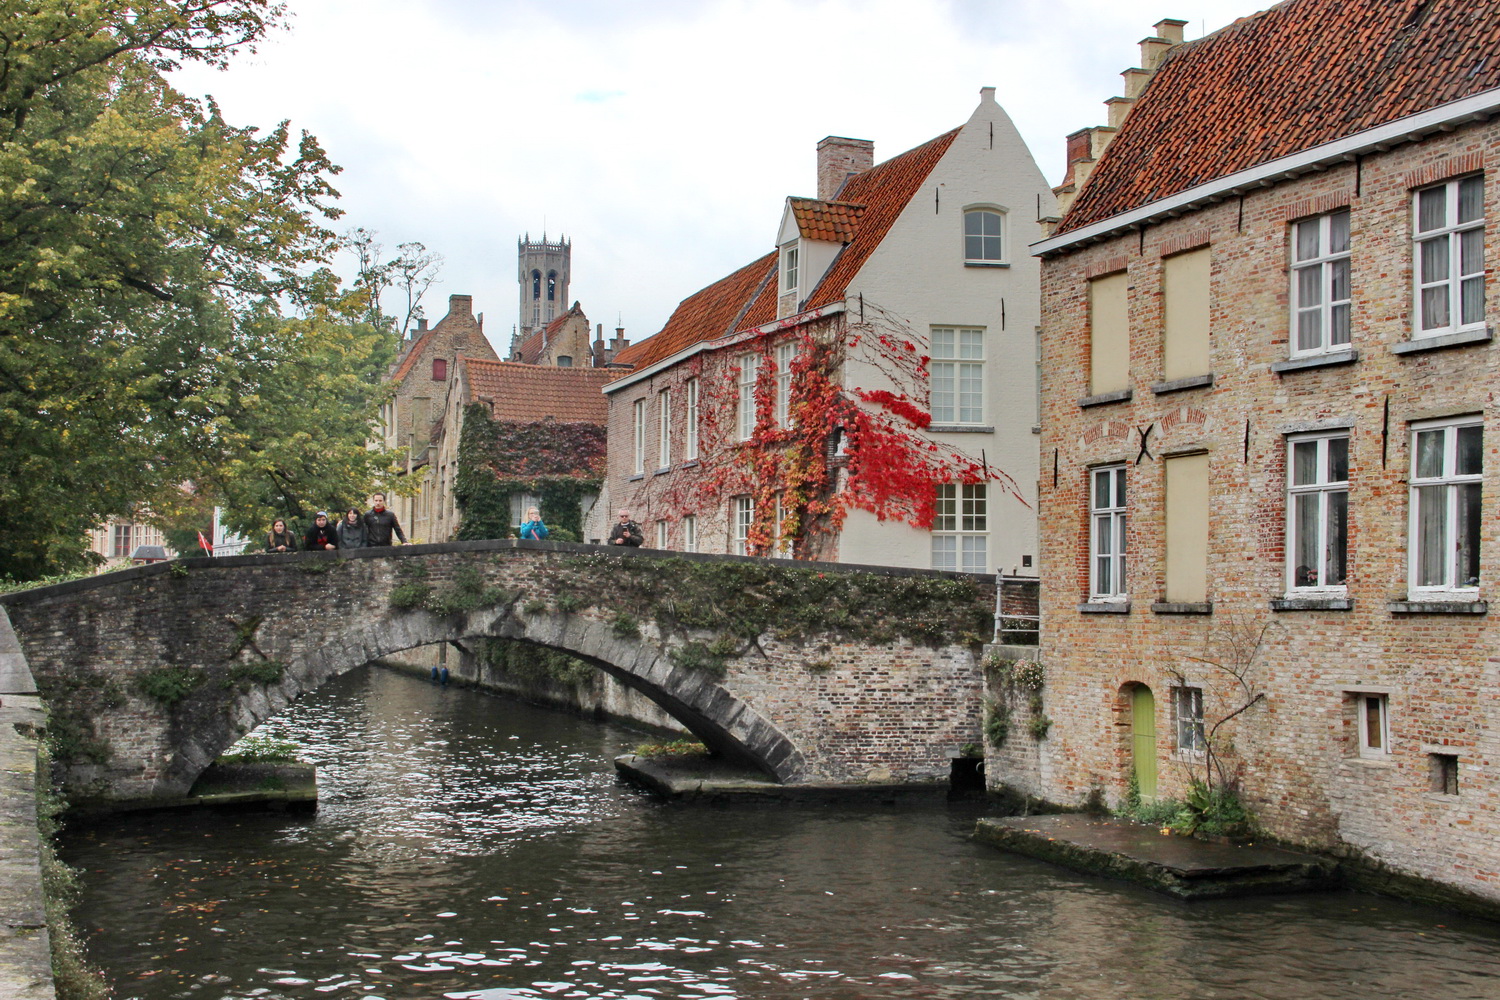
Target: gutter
(728,340)
(1412,128)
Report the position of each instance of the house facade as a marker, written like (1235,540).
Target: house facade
(1269,437)
(422,374)
(866,390)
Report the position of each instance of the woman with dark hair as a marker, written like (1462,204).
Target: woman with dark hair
(279,538)
(351,530)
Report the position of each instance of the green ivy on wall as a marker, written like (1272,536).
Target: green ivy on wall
(558,462)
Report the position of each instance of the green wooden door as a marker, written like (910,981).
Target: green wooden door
(1143,740)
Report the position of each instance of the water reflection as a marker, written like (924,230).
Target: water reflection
(470,847)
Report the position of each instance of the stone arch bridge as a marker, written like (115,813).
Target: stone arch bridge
(807,671)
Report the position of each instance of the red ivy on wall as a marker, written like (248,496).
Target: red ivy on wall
(841,447)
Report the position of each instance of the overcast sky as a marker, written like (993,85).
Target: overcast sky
(659,136)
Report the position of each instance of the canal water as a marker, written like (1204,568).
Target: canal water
(470,847)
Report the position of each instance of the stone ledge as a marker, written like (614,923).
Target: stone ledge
(1438,607)
(1312,604)
(985,263)
(1179,384)
(710,780)
(1104,608)
(1121,396)
(1417,345)
(1183,607)
(1328,360)
(961,428)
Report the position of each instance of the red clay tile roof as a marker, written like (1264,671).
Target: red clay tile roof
(884,190)
(830,221)
(526,393)
(1303,73)
(869,204)
(708,313)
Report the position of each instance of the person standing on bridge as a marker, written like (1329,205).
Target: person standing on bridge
(322,536)
(532,528)
(351,530)
(626,531)
(380,523)
(279,538)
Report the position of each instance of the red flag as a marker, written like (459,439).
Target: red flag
(203,542)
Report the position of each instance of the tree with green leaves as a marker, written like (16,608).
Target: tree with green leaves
(165,312)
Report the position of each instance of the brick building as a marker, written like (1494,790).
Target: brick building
(872,374)
(1269,434)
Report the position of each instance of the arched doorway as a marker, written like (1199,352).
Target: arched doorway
(1143,740)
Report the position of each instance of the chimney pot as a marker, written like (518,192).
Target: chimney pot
(838,159)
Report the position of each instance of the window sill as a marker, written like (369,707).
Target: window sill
(664,469)
(1179,384)
(961,428)
(1417,344)
(1104,608)
(691,463)
(1383,761)
(1120,396)
(1312,604)
(1183,608)
(985,263)
(635,478)
(1316,361)
(1438,607)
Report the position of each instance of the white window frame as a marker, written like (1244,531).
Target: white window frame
(520,503)
(1329,260)
(782,547)
(956,375)
(960,528)
(664,429)
(785,353)
(745,401)
(1453,487)
(741,517)
(690,533)
(661,533)
(638,426)
(1378,748)
(986,241)
(1325,492)
(1447,238)
(690,434)
(1107,533)
(1187,715)
(789,268)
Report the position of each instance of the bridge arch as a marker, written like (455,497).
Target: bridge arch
(890,696)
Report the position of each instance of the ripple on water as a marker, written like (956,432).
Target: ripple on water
(469,847)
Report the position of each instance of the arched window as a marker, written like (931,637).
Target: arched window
(551,286)
(983,235)
(536,284)
(564,361)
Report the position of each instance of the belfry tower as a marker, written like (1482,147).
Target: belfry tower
(543,271)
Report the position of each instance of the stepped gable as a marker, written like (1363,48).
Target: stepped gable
(526,393)
(532,347)
(1296,76)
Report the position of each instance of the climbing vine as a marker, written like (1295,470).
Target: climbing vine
(841,447)
(558,462)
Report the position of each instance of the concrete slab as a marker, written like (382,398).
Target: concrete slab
(1179,866)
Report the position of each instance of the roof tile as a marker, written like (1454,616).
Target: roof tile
(1303,73)
(527,393)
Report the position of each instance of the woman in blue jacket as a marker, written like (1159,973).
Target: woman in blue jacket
(532,527)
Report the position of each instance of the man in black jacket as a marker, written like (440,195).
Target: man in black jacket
(379,523)
(626,531)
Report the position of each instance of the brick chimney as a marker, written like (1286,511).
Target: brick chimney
(1086,145)
(838,160)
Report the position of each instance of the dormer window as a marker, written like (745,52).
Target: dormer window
(789,270)
(984,230)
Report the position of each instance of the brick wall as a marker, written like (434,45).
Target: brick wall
(1296,752)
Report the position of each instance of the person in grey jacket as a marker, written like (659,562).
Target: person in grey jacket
(380,523)
(351,530)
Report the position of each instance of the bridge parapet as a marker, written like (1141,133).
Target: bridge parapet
(808,671)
